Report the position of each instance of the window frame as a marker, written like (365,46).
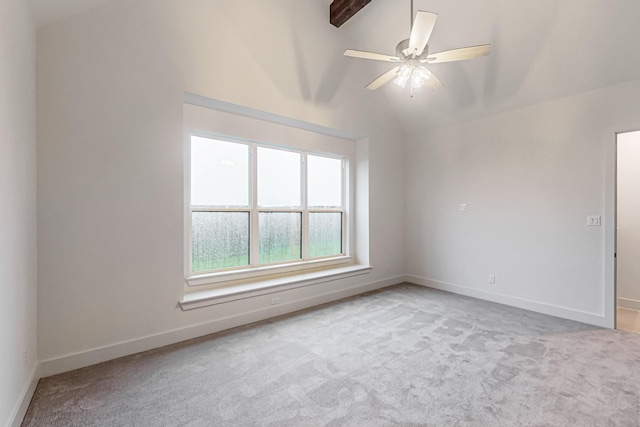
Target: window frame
(255,269)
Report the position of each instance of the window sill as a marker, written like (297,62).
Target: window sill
(261,272)
(248,289)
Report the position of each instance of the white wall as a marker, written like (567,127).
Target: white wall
(530,177)
(18,278)
(110,87)
(628,215)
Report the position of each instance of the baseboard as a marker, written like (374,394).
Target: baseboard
(16,417)
(539,307)
(78,360)
(631,304)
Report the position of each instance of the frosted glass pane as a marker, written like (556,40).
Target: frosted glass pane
(325,234)
(278,178)
(324,177)
(219,173)
(280,236)
(220,240)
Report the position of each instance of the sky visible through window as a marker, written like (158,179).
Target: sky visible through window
(220,176)
(278,179)
(324,177)
(219,173)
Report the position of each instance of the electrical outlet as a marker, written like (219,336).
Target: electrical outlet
(593,220)
(275,300)
(492,278)
(463,207)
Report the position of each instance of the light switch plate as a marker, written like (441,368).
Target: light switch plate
(463,207)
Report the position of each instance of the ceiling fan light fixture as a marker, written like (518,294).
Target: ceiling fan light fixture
(416,74)
(419,77)
(403,76)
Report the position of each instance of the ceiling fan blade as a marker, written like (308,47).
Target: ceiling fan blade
(459,54)
(421,31)
(433,83)
(383,79)
(370,55)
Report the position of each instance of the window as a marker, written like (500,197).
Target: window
(255,207)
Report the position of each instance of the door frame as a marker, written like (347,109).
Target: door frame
(610,222)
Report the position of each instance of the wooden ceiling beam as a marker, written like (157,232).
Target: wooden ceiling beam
(341,10)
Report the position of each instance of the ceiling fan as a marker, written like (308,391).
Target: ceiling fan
(413,54)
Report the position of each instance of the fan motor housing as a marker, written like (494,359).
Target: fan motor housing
(403,52)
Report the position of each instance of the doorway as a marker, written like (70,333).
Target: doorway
(628,231)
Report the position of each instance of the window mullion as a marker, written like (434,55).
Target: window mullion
(343,208)
(254,232)
(188,202)
(305,207)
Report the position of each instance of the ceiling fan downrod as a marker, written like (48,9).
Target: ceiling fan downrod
(411,18)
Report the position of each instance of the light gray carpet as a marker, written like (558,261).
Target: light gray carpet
(405,355)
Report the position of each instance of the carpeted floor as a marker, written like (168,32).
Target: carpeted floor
(405,355)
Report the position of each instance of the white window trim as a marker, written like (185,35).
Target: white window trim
(248,124)
(267,285)
(231,277)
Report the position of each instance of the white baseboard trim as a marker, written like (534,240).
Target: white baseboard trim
(631,304)
(15,420)
(78,360)
(539,307)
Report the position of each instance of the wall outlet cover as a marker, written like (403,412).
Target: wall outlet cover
(593,220)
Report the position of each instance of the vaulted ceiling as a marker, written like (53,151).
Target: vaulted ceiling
(47,11)
(542,49)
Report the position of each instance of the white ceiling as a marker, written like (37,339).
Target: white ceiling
(47,11)
(542,49)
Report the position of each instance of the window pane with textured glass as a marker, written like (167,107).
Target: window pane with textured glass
(324,177)
(219,240)
(280,236)
(219,173)
(278,178)
(325,234)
